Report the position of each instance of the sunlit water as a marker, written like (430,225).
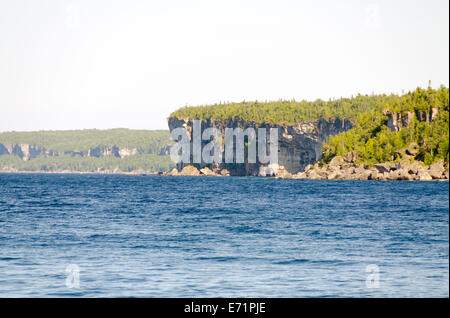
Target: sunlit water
(142,236)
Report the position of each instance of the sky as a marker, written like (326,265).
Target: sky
(67,64)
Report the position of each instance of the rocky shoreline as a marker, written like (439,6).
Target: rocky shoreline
(337,169)
(134,173)
(341,169)
(405,170)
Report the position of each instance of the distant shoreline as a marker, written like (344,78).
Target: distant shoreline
(78,172)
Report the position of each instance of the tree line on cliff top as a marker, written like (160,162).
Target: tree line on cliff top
(292,112)
(285,112)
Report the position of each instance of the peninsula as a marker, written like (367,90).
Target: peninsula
(366,137)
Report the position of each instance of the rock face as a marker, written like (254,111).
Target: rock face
(24,151)
(299,145)
(102,151)
(398,120)
(125,152)
(3,150)
(27,152)
(164,151)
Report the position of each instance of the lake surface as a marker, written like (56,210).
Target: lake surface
(149,236)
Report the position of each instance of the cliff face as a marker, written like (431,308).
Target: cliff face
(398,120)
(27,152)
(24,151)
(299,145)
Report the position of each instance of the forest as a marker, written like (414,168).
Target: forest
(288,112)
(374,142)
(136,163)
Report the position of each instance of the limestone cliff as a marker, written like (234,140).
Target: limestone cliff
(299,145)
(397,120)
(27,152)
(24,151)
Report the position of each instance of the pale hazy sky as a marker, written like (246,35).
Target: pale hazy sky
(107,64)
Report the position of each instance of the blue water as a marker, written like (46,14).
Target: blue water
(141,236)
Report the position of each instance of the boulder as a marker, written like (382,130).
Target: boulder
(309,167)
(348,171)
(347,174)
(423,176)
(383,176)
(362,175)
(414,167)
(391,175)
(189,171)
(336,161)
(408,166)
(359,170)
(346,165)
(174,172)
(332,168)
(282,173)
(374,174)
(207,172)
(403,164)
(412,150)
(436,170)
(313,174)
(403,174)
(322,172)
(268,171)
(300,175)
(334,175)
(384,167)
